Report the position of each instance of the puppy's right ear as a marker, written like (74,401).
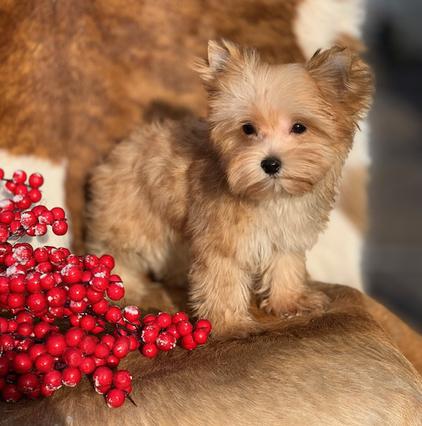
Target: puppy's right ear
(221,55)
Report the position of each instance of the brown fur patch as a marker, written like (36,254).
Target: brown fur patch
(339,367)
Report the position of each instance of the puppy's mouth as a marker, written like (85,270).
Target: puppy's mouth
(296,185)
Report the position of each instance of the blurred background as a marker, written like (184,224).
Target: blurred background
(393,259)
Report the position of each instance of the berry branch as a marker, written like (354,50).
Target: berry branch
(42,286)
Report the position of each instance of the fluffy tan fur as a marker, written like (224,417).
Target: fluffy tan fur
(339,368)
(200,184)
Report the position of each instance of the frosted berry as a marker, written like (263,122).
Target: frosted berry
(165,341)
(71,376)
(102,376)
(115,398)
(164,319)
(60,227)
(179,316)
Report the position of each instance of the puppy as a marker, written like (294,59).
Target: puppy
(241,196)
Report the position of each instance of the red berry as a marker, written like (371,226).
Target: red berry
(4,285)
(88,344)
(133,343)
(34,195)
(164,319)
(150,318)
(179,316)
(188,342)
(112,361)
(60,227)
(150,333)
(121,347)
(44,363)
(205,324)
(149,350)
(165,341)
(122,379)
(72,357)
(101,307)
(200,336)
(102,376)
(19,176)
(77,292)
(36,180)
(113,315)
(184,328)
(56,296)
(74,336)
(17,284)
(46,217)
(87,366)
(55,344)
(24,329)
(28,383)
(36,302)
(71,274)
(93,296)
(41,329)
(16,300)
(22,363)
(58,213)
(115,398)
(45,391)
(116,291)
(1,174)
(71,376)
(3,325)
(10,393)
(107,261)
(91,261)
(87,322)
(53,380)
(100,283)
(101,350)
(109,340)
(78,307)
(47,281)
(33,282)
(172,329)
(132,313)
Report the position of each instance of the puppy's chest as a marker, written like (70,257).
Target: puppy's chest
(276,227)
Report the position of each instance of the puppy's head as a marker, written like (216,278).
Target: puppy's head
(280,128)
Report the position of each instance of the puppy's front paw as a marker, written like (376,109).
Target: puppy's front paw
(239,329)
(294,304)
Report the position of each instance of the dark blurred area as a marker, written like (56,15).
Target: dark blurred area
(393,260)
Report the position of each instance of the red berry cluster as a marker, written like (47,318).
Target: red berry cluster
(45,287)
(16,216)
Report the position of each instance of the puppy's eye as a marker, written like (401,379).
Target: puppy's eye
(249,129)
(298,128)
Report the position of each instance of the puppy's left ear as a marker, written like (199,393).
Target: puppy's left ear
(222,55)
(343,77)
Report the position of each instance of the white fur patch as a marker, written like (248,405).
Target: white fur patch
(337,256)
(53,190)
(319,22)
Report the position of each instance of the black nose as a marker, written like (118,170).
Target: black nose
(271,165)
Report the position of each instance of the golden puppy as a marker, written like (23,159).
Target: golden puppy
(243,194)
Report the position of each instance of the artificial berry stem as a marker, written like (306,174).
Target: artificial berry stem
(41,286)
